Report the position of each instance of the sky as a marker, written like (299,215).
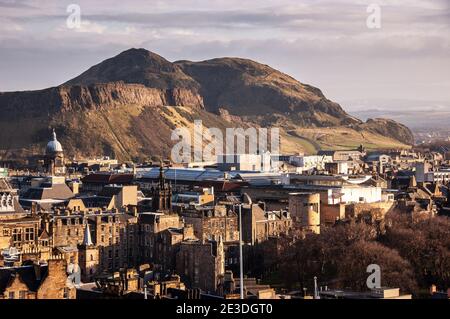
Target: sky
(324,43)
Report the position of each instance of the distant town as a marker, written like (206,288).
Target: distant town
(342,224)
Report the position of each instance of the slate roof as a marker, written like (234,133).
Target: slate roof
(26,274)
(108,178)
(56,191)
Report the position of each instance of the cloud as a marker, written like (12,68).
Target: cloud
(15,4)
(320,42)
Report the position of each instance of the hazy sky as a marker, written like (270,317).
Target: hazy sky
(323,43)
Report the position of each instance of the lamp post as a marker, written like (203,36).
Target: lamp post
(241,262)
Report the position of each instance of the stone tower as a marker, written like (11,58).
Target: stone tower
(305,211)
(162,195)
(54,157)
(88,256)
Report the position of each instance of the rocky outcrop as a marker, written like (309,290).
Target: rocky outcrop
(80,97)
(387,127)
(118,94)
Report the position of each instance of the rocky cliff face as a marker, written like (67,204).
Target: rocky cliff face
(127,106)
(95,96)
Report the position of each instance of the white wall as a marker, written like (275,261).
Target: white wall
(365,194)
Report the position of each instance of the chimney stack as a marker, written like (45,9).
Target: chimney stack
(37,270)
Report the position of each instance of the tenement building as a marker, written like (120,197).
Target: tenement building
(201,265)
(37,281)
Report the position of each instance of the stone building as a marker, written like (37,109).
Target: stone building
(9,202)
(37,281)
(201,265)
(162,195)
(110,197)
(54,157)
(149,226)
(20,232)
(167,245)
(305,211)
(46,193)
(258,224)
(211,222)
(114,234)
(94,183)
(88,257)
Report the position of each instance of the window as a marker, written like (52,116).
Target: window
(17,235)
(6,232)
(12,295)
(22,294)
(315,207)
(92,257)
(29,234)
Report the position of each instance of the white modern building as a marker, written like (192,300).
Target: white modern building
(341,189)
(245,162)
(306,163)
(425,174)
(354,194)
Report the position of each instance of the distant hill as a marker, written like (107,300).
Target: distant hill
(127,106)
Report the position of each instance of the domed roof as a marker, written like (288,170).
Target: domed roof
(53,146)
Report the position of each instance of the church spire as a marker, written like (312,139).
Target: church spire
(87,240)
(162,196)
(162,178)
